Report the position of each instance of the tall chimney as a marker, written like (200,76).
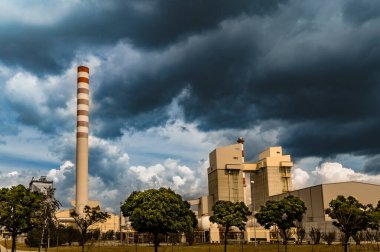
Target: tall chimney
(82,139)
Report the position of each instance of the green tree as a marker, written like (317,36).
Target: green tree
(90,216)
(158,211)
(350,216)
(301,233)
(19,210)
(47,218)
(69,235)
(375,222)
(284,214)
(375,216)
(329,237)
(228,214)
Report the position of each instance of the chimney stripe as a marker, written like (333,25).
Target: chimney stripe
(83,85)
(83,79)
(82,129)
(83,96)
(82,124)
(83,101)
(82,135)
(82,118)
(82,112)
(82,90)
(83,75)
(82,107)
(83,69)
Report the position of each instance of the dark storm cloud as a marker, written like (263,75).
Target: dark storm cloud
(373,165)
(309,67)
(312,67)
(146,24)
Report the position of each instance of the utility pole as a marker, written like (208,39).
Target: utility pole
(254,211)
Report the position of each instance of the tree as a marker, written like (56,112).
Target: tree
(158,211)
(359,237)
(48,217)
(350,216)
(19,210)
(229,214)
(375,222)
(329,237)
(315,235)
(91,216)
(69,235)
(301,233)
(284,214)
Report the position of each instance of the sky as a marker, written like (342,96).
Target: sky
(172,80)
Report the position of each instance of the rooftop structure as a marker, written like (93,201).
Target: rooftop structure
(40,185)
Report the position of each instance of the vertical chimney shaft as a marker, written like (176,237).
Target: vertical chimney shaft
(82,139)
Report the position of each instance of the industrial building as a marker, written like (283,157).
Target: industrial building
(317,199)
(269,178)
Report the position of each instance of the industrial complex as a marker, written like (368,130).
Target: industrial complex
(269,178)
(230,178)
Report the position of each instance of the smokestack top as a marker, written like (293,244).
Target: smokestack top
(83,69)
(240,140)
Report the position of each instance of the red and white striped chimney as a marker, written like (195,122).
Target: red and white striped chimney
(82,139)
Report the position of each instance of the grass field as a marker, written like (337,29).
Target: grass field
(98,247)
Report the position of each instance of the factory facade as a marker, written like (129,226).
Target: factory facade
(317,199)
(269,178)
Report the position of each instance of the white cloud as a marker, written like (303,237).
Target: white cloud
(171,174)
(13,178)
(13,174)
(300,178)
(30,95)
(178,181)
(335,172)
(146,174)
(330,172)
(58,175)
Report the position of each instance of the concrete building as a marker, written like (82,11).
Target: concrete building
(317,199)
(40,185)
(231,178)
(268,178)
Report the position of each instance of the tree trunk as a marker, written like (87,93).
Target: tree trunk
(83,234)
(225,239)
(14,237)
(346,238)
(82,243)
(285,239)
(156,242)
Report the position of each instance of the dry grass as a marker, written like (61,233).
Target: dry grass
(97,247)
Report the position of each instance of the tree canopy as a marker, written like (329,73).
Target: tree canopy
(158,211)
(284,214)
(375,216)
(91,216)
(228,214)
(19,210)
(350,216)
